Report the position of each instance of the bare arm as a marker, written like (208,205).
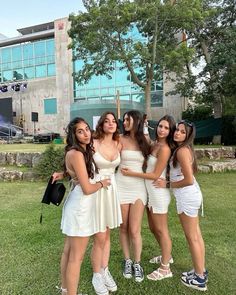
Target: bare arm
(163,157)
(184,158)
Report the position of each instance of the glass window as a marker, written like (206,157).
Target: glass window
(6,55)
(16,53)
(7,76)
(29,73)
(28,55)
(40,71)
(50,47)
(51,70)
(39,49)
(18,74)
(50,106)
(157,98)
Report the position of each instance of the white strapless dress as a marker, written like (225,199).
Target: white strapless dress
(108,211)
(158,198)
(131,189)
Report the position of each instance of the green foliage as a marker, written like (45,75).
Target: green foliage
(197,113)
(51,161)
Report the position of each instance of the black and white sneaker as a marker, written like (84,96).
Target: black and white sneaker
(138,272)
(191,273)
(195,282)
(127,270)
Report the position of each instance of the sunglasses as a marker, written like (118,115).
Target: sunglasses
(186,122)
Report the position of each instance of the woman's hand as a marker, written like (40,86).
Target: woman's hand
(105,183)
(126,171)
(57,176)
(160,183)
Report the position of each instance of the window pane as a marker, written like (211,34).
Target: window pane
(41,71)
(29,73)
(51,70)
(6,55)
(7,76)
(50,106)
(16,53)
(50,50)
(18,74)
(39,49)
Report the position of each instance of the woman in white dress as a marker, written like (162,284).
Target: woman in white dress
(108,216)
(132,192)
(159,198)
(78,218)
(188,201)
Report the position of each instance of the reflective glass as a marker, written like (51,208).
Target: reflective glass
(16,53)
(41,71)
(51,70)
(50,47)
(18,74)
(29,73)
(6,55)
(39,49)
(7,76)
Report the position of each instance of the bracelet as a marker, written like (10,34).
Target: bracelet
(101,183)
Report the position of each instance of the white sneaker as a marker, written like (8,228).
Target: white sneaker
(99,285)
(108,280)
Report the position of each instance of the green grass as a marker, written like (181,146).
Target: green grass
(30,252)
(24,147)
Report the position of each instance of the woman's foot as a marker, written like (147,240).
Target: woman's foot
(163,272)
(157,259)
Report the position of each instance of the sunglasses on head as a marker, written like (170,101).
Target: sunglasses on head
(186,122)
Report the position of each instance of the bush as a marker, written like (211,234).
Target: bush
(197,113)
(51,161)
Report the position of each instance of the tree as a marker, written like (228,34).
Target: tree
(214,40)
(102,36)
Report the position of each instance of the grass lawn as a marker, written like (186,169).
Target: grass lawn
(25,147)
(30,252)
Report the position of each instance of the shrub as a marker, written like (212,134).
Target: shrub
(51,161)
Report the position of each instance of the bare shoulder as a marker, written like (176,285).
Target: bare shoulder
(73,154)
(184,153)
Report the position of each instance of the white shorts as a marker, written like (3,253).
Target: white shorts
(188,199)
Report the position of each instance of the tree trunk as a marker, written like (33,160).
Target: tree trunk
(148,100)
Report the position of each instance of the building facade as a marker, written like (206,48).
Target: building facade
(37,85)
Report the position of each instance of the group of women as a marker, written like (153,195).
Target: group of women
(102,198)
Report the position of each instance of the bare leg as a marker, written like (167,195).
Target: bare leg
(106,250)
(64,262)
(194,238)
(78,247)
(135,223)
(98,251)
(124,231)
(160,229)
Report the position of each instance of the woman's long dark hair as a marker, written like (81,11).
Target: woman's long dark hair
(188,142)
(138,134)
(99,132)
(73,143)
(172,127)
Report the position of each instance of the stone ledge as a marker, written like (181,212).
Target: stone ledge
(215,153)
(227,165)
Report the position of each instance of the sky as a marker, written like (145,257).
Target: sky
(19,14)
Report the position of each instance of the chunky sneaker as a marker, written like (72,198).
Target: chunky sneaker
(127,271)
(195,282)
(99,285)
(138,272)
(108,280)
(157,259)
(191,273)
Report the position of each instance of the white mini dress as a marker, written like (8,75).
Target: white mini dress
(188,198)
(79,214)
(158,198)
(130,189)
(108,211)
